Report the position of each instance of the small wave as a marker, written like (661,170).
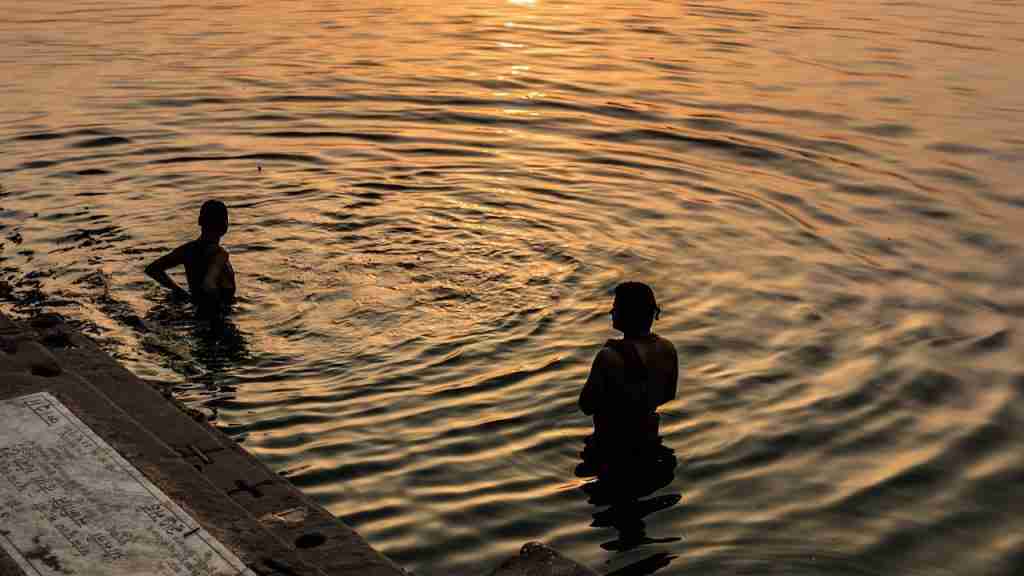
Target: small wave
(368,136)
(186,102)
(959,148)
(38,164)
(40,136)
(268,156)
(102,142)
(667,135)
(888,130)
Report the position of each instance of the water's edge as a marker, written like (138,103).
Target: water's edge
(262,517)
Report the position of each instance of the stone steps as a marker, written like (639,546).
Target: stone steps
(272,526)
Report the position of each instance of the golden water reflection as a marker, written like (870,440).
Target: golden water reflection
(431,201)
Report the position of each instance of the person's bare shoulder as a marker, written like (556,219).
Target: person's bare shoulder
(176,257)
(609,357)
(218,256)
(664,343)
(665,348)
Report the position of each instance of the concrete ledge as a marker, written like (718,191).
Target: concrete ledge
(268,523)
(271,526)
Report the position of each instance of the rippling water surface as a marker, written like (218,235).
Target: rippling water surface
(432,201)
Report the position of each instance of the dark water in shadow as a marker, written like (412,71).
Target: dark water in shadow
(431,203)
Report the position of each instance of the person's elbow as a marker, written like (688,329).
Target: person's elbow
(152,270)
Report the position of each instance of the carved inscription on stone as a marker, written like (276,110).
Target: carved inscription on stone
(70,504)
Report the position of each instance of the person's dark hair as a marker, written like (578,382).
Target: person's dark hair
(214,215)
(636,307)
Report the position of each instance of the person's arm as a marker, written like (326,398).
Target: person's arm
(157,270)
(590,396)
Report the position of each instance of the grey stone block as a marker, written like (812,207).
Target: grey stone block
(537,559)
(267,522)
(22,355)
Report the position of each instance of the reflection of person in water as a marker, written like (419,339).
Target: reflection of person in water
(629,379)
(210,353)
(628,495)
(211,279)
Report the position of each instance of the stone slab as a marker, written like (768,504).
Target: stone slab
(74,505)
(539,559)
(227,466)
(269,525)
(275,529)
(231,524)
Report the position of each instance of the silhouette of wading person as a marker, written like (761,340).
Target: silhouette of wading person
(211,279)
(629,379)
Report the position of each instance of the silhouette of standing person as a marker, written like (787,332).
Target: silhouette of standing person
(211,279)
(629,379)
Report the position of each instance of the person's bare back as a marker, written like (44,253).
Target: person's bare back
(612,369)
(630,378)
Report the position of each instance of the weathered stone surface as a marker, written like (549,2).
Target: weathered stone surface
(57,337)
(537,559)
(8,326)
(39,360)
(221,516)
(209,476)
(17,383)
(271,526)
(21,355)
(9,568)
(70,493)
(47,321)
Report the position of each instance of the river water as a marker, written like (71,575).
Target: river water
(431,202)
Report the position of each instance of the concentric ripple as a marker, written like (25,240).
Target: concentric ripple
(431,203)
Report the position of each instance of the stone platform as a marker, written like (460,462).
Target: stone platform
(101,473)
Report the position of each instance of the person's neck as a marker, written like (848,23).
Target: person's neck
(210,238)
(636,336)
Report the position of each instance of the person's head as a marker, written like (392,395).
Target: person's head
(635,308)
(213,218)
